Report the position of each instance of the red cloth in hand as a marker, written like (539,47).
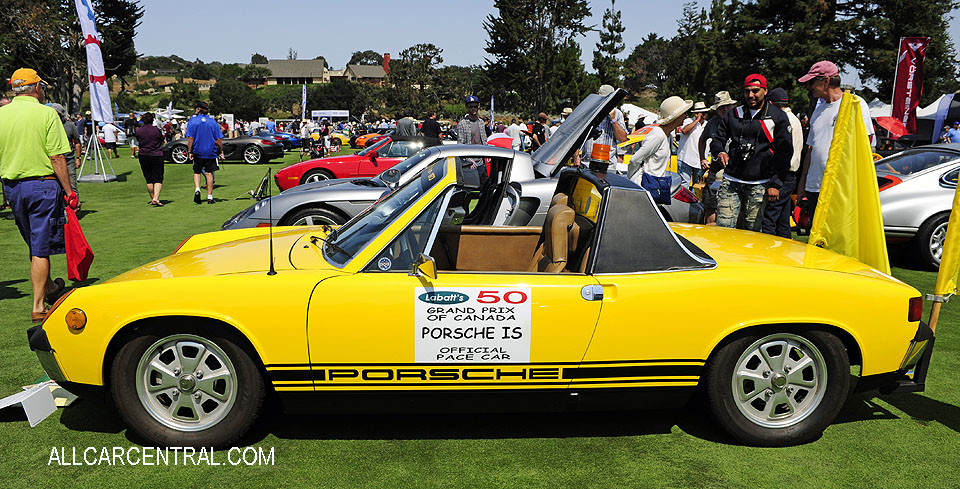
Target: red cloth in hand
(79,253)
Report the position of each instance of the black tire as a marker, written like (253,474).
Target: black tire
(252,154)
(178,154)
(145,414)
(313,216)
(817,405)
(929,240)
(316,175)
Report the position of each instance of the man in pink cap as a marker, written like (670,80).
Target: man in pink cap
(823,81)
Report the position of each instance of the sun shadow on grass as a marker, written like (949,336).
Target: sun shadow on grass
(923,408)
(8,292)
(903,255)
(92,414)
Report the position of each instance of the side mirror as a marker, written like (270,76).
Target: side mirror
(391,177)
(424,267)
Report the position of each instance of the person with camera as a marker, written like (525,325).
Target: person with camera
(754,145)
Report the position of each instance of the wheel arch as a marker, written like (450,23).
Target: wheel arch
(183,322)
(321,169)
(849,342)
(317,205)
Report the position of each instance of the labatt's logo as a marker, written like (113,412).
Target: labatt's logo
(444,297)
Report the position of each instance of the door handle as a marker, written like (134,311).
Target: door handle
(592,292)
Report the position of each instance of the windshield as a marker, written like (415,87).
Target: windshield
(374,146)
(908,163)
(359,231)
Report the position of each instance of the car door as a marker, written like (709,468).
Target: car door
(230,148)
(382,328)
(375,161)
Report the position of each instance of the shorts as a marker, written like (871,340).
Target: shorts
(152,168)
(111,145)
(38,210)
(132,141)
(204,165)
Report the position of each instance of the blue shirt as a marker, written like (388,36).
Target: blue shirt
(954,135)
(271,126)
(205,132)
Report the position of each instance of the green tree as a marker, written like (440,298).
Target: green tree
(414,78)
(526,41)
(367,57)
(200,71)
(185,95)
(610,45)
(258,59)
(874,29)
(255,74)
(231,96)
(648,64)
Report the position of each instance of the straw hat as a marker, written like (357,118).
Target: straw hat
(700,107)
(566,111)
(722,98)
(673,107)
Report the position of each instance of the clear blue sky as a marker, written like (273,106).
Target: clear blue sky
(230,31)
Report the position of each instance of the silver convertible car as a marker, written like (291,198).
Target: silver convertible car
(916,194)
(531,177)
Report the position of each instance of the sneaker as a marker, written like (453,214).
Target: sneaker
(210,200)
(196,197)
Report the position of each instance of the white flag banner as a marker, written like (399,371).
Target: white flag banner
(99,93)
(303,104)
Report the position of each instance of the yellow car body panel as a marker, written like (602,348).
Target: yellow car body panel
(632,144)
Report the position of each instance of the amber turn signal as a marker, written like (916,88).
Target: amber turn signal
(76,319)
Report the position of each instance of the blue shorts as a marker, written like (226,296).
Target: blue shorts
(38,210)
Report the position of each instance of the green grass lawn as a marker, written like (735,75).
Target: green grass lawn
(903,440)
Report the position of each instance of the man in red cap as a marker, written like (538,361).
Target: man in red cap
(754,146)
(823,81)
(34,173)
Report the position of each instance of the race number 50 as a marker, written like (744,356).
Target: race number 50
(494,296)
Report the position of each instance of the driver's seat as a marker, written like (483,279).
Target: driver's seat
(560,236)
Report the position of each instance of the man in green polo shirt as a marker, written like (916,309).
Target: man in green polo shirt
(34,174)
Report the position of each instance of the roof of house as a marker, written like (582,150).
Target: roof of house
(367,71)
(295,68)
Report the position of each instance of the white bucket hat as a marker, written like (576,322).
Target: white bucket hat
(722,98)
(673,107)
(700,107)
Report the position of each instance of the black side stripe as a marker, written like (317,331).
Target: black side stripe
(288,375)
(644,371)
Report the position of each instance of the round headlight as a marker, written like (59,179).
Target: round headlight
(76,319)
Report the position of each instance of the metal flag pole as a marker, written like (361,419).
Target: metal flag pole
(94,152)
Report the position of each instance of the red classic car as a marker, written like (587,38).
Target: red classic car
(367,163)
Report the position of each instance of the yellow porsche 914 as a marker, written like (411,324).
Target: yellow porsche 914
(417,301)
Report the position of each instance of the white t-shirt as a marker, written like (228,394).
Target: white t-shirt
(513,130)
(822,121)
(689,153)
(653,155)
(109,133)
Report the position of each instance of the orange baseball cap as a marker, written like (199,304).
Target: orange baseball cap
(25,76)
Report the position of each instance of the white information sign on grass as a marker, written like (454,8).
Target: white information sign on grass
(472,325)
(37,402)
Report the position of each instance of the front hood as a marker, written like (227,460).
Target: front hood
(323,184)
(571,135)
(310,164)
(237,256)
(739,248)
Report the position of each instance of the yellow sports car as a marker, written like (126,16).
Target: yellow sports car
(408,303)
(634,140)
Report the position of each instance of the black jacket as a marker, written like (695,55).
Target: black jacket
(768,133)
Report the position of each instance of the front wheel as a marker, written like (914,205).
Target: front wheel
(318,175)
(187,389)
(252,154)
(779,389)
(179,154)
(314,217)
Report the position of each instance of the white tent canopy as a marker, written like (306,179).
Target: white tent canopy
(879,109)
(634,113)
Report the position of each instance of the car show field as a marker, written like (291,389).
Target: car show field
(885,439)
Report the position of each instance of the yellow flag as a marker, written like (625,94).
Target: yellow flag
(947,278)
(848,219)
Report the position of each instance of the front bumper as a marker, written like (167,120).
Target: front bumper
(37,338)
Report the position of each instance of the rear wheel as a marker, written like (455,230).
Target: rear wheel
(317,175)
(252,154)
(314,217)
(178,154)
(929,240)
(779,389)
(195,388)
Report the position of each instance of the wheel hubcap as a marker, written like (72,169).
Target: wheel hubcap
(186,382)
(252,155)
(314,221)
(179,155)
(779,380)
(936,241)
(317,177)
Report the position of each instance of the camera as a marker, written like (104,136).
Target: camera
(745,151)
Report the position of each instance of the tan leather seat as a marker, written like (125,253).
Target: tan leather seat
(560,235)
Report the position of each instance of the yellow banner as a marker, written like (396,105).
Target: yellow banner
(947,278)
(848,219)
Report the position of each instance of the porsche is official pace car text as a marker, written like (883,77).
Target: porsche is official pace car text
(533,180)
(916,194)
(249,149)
(405,306)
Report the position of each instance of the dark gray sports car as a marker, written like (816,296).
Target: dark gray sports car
(248,149)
